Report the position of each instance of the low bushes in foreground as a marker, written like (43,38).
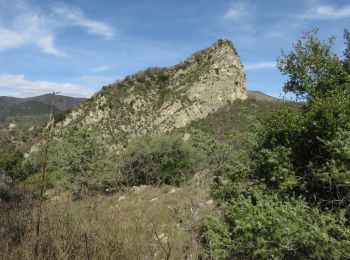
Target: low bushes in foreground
(81,162)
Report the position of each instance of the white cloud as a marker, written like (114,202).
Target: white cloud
(10,39)
(29,28)
(24,24)
(260,65)
(101,69)
(327,12)
(76,17)
(18,84)
(46,42)
(238,10)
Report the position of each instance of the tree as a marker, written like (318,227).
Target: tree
(314,71)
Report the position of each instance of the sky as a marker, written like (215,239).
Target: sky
(78,46)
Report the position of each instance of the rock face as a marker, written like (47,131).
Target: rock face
(159,100)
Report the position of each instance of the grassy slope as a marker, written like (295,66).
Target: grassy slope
(235,120)
(152,223)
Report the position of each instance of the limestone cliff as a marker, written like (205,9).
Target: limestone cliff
(159,100)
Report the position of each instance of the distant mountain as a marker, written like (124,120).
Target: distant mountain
(5,102)
(30,108)
(33,111)
(62,102)
(260,96)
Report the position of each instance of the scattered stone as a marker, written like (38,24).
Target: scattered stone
(122,198)
(162,237)
(173,190)
(210,202)
(138,189)
(186,137)
(110,190)
(12,126)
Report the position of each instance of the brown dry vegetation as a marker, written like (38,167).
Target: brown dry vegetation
(141,223)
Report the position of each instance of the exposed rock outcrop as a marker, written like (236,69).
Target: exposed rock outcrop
(159,100)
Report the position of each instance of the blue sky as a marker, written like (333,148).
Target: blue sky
(77,46)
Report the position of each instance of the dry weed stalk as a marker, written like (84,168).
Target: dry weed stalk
(166,249)
(43,174)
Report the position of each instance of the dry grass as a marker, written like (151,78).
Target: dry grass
(142,223)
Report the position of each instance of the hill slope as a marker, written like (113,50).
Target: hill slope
(62,102)
(33,111)
(260,96)
(159,100)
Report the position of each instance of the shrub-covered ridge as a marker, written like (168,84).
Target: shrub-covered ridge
(159,100)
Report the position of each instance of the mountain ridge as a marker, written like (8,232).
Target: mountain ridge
(159,100)
(62,102)
(32,111)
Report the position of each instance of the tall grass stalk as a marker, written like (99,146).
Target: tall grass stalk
(43,173)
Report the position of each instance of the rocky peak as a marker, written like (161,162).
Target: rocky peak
(216,51)
(161,99)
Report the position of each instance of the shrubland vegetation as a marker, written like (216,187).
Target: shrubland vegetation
(278,172)
(158,160)
(13,145)
(287,196)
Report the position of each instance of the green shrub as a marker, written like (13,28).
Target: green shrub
(5,186)
(306,154)
(10,161)
(230,168)
(82,162)
(61,116)
(264,227)
(276,169)
(157,160)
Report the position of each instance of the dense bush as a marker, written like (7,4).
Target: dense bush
(306,154)
(264,227)
(61,116)
(157,160)
(10,161)
(10,167)
(301,159)
(5,186)
(82,162)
